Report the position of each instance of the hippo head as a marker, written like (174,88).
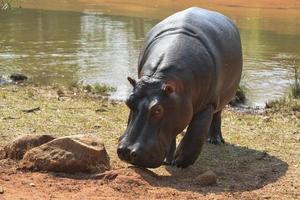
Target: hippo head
(157,114)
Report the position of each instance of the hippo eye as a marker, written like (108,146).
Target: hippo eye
(156,111)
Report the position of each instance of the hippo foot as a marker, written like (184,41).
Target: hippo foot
(181,163)
(176,163)
(168,162)
(216,140)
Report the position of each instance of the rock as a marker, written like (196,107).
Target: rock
(18,77)
(31,184)
(16,149)
(1,190)
(206,179)
(68,154)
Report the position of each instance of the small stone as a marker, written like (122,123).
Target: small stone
(1,190)
(206,179)
(266,119)
(32,184)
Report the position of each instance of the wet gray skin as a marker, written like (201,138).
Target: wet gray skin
(188,70)
(154,121)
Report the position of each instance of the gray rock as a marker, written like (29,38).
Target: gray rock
(68,154)
(17,148)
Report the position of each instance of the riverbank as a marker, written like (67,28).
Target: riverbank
(260,159)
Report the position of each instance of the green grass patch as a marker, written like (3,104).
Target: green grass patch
(295,87)
(97,88)
(285,104)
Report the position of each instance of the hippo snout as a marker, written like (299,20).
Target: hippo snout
(128,154)
(123,153)
(137,155)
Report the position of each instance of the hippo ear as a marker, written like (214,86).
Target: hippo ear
(131,81)
(168,88)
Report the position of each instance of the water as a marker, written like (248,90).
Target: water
(64,47)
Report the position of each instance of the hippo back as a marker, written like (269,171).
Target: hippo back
(217,34)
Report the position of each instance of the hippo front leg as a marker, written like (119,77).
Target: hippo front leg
(191,144)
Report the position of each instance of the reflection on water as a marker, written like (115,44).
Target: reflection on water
(65,47)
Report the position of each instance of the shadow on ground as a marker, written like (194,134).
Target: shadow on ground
(238,169)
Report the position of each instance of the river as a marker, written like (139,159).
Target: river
(95,41)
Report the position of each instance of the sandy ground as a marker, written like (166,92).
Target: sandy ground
(260,159)
(273,182)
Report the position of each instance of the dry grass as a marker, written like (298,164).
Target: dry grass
(261,158)
(62,112)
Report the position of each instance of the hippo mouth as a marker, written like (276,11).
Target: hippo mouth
(151,157)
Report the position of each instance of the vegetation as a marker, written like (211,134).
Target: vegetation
(291,101)
(5,4)
(286,104)
(295,87)
(240,95)
(97,88)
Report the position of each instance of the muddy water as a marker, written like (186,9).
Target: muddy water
(99,41)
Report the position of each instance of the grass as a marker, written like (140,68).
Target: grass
(291,101)
(62,112)
(100,89)
(288,104)
(240,95)
(262,150)
(295,87)
(5,4)
(9,4)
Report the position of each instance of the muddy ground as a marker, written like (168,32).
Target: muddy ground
(260,160)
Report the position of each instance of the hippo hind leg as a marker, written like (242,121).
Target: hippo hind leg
(215,134)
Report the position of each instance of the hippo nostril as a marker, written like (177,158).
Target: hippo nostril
(120,151)
(133,154)
(123,152)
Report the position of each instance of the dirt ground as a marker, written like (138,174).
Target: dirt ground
(260,159)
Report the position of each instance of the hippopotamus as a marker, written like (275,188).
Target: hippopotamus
(188,70)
